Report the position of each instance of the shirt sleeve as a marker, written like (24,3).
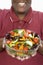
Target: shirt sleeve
(3,14)
(42,29)
(0,21)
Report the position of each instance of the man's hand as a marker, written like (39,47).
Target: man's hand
(41,48)
(1,44)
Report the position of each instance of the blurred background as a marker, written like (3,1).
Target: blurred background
(36,4)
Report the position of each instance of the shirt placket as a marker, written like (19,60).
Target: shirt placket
(20,24)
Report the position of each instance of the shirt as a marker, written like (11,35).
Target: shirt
(10,21)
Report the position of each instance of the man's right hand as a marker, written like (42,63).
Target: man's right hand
(1,44)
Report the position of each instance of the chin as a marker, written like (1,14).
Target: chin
(21,12)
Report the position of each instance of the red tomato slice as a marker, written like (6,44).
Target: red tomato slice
(8,41)
(26,49)
(12,33)
(35,40)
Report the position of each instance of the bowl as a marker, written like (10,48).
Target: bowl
(22,44)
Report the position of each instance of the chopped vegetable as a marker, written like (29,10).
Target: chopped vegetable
(22,40)
(29,43)
(36,40)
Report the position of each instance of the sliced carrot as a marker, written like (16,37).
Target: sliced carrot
(21,47)
(23,38)
(16,47)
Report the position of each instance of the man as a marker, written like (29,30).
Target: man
(21,16)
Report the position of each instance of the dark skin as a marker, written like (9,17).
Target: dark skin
(21,10)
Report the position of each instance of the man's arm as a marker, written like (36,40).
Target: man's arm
(1,39)
(41,30)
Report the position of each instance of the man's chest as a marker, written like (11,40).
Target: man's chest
(10,24)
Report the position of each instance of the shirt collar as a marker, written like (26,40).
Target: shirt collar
(27,18)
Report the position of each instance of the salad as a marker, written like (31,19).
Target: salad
(22,42)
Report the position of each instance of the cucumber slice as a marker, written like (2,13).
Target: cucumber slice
(29,43)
